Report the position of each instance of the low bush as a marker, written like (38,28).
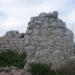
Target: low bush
(12,58)
(41,69)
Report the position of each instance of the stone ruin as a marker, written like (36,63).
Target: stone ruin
(47,40)
(12,40)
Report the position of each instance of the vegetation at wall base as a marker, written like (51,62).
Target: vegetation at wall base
(41,69)
(44,69)
(12,58)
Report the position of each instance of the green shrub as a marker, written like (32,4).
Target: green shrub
(41,69)
(12,58)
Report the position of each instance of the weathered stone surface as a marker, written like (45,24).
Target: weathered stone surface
(12,40)
(50,41)
(11,34)
(55,14)
(42,15)
(13,72)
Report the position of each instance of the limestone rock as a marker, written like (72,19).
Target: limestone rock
(49,41)
(12,40)
(42,15)
(11,34)
(55,14)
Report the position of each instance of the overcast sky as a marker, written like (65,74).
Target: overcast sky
(15,14)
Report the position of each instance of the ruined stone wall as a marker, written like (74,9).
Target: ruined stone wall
(12,40)
(48,40)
